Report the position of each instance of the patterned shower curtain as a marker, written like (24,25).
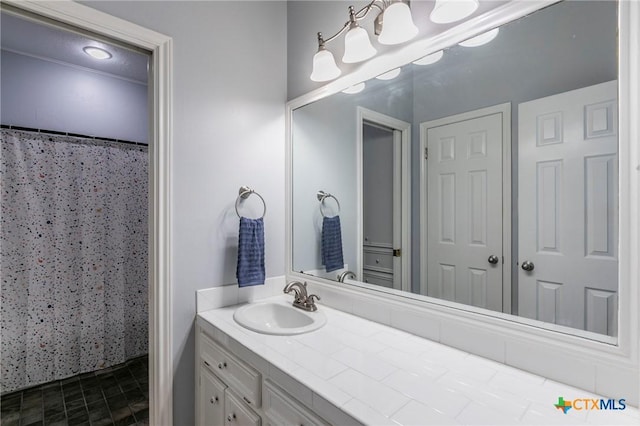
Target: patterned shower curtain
(73,258)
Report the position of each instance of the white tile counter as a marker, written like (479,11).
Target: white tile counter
(382,376)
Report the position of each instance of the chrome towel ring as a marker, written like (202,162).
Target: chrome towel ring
(243,193)
(324,195)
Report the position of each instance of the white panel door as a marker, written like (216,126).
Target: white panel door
(465,211)
(568,208)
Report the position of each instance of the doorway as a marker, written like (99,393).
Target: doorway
(465,208)
(76,16)
(384,199)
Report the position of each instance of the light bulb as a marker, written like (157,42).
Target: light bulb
(430,59)
(357,46)
(447,11)
(96,52)
(397,24)
(481,39)
(324,66)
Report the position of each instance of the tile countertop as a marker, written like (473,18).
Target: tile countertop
(383,376)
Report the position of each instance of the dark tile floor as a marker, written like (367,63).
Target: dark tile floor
(117,395)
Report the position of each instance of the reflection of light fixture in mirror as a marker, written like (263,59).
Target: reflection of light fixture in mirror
(481,39)
(393,25)
(397,24)
(96,52)
(357,46)
(324,65)
(389,75)
(356,88)
(430,59)
(447,11)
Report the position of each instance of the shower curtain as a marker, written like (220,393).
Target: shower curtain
(73,262)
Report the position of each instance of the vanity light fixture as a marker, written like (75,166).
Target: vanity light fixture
(481,39)
(356,88)
(389,75)
(447,11)
(393,25)
(430,59)
(97,52)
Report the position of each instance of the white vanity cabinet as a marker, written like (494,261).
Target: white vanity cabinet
(233,393)
(280,409)
(229,390)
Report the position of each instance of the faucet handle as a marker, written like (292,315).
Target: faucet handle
(311,296)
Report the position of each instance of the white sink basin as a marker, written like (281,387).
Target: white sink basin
(278,318)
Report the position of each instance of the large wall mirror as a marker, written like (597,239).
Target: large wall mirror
(481,176)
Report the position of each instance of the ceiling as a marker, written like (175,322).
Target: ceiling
(55,44)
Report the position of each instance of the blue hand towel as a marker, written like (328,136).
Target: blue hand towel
(250,269)
(332,244)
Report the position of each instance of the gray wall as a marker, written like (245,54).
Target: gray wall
(47,95)
(228,130)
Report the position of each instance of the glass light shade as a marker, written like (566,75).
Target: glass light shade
(397,24)
(324,66)
(96,52)
(389,75)
(446,11)
(356,88)
(357,46)
(481,39)
(430,59)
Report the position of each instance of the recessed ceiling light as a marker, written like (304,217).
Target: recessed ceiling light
(481,39)
(389,74)
(356,88)
(430,59)
(96,52)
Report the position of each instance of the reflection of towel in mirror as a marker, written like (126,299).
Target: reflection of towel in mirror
(250,269)
(332,244)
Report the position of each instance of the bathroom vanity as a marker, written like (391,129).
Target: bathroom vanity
(354,371)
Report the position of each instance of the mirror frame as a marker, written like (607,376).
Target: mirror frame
(608,367)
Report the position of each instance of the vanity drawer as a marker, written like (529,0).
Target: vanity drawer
(234,372)
(377,278)
(378,260)
(282,409)
(237,413)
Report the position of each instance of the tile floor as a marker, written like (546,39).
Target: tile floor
(117,395)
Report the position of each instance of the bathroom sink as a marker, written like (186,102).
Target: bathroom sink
(278,318)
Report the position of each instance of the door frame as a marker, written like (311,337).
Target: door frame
(160,168)
(363,115)
(505,110)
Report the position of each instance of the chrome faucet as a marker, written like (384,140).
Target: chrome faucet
(346,274)
(300,298)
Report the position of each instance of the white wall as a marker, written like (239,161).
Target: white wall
(46,95)
(229,87)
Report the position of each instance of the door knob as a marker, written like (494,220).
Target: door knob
(493,259)
(528,266)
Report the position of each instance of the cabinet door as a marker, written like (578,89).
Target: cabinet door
(241,377)
(212,398)
(282,409)
(237,413)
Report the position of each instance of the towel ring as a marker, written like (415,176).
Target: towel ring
(243,193)
(322,196)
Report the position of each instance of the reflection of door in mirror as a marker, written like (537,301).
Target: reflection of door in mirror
(380,218)
(383,148)
(569,209)
(464,207)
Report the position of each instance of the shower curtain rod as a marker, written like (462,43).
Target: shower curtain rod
(77,135)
